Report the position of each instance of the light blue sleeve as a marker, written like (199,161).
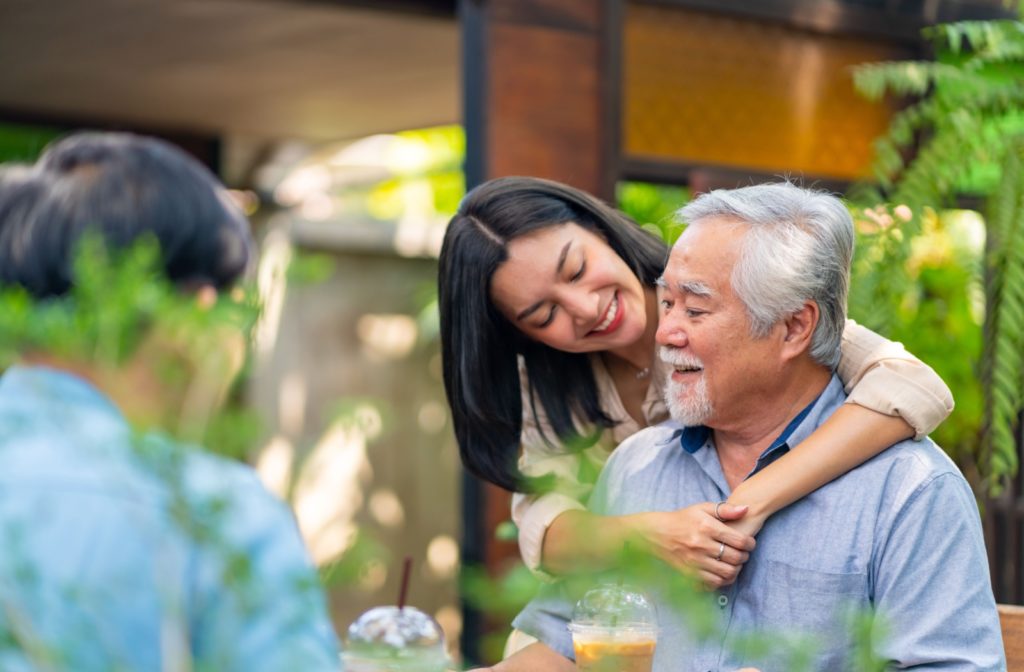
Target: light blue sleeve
(258,605)
(932,587)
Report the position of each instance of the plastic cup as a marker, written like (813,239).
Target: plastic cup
(389,639)
(614,629)
(613,649)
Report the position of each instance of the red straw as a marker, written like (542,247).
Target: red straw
(406,571)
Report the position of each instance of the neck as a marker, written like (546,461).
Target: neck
(640,353)
(132,389)
(740,443)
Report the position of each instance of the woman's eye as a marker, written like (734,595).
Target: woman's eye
(548,320)
(579,274)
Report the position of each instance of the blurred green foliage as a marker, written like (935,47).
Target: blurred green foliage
(23,143)
(121,307)
(653,206)
(963,135)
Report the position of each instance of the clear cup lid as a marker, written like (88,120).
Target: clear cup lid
(390,632)
(615,606)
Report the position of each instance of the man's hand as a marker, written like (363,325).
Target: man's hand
(692,539)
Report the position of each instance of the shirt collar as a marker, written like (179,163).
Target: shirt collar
(800,427)
(36,387)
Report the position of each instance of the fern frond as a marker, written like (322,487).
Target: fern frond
(994,38)
(1005,337)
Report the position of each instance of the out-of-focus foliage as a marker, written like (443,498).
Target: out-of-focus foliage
(771,648)
(933,303)
(121,311)
(24,143)
(964,135)
(653,206)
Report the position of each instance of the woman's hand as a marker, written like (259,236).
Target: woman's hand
(692,539)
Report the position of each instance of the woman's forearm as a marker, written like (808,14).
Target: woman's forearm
(850,437)
(579,540)
(690,539)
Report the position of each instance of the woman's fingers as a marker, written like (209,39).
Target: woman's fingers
(733,556)
(726,511)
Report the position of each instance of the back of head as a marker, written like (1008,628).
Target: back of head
(121,186)
(799,248)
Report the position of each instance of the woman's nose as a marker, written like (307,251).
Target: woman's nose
(582,306)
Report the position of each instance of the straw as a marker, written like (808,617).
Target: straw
(406,571)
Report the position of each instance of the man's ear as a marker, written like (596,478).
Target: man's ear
(799,329)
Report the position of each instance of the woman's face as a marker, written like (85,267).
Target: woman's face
(565,287)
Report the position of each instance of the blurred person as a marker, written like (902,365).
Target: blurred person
(752,306)
(125,549)
(551,293)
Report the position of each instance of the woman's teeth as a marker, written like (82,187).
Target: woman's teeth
(613,310)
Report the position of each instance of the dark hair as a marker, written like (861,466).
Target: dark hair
(121,186)
(479,345)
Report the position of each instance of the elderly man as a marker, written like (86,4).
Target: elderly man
(753,302)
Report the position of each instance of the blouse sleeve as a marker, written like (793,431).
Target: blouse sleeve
(543,455)
(881,375)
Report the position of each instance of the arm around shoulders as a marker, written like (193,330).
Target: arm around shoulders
(883,376)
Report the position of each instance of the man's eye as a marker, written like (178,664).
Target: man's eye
(693,312)
(666,304)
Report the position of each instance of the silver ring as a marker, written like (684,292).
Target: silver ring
(721,551)
(716,510)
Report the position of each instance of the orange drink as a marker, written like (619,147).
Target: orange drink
(614,656)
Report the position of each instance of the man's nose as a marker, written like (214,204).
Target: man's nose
(671,332)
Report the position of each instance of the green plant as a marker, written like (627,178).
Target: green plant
(964,135)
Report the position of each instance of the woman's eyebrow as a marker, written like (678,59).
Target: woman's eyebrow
(561,258)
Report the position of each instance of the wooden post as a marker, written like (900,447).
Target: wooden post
(540,90)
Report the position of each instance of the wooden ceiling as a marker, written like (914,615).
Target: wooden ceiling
(260,68)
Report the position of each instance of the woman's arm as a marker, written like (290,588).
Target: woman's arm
(688,539)
(557,535)
(894,396)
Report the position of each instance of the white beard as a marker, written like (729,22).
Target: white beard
(688,404)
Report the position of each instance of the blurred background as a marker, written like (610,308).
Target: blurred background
(349,130)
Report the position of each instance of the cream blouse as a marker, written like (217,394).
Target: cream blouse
(878,374)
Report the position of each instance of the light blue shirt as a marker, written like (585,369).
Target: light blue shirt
(123,552)
(901,534)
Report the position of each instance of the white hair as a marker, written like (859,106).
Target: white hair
(799,248)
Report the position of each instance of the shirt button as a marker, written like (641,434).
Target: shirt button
(723,601)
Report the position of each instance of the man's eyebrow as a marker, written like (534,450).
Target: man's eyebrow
(696,288)
(558,269)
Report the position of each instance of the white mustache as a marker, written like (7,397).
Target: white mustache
(678,358)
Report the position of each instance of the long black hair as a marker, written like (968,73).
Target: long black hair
(480,346)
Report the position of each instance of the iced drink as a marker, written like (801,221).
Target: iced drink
(394,639)
(609,649)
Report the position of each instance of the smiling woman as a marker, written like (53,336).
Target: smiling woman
(588,300)
(548,316)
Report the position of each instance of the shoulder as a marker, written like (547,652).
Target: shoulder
(641,450)
(911,473)
(234,488)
